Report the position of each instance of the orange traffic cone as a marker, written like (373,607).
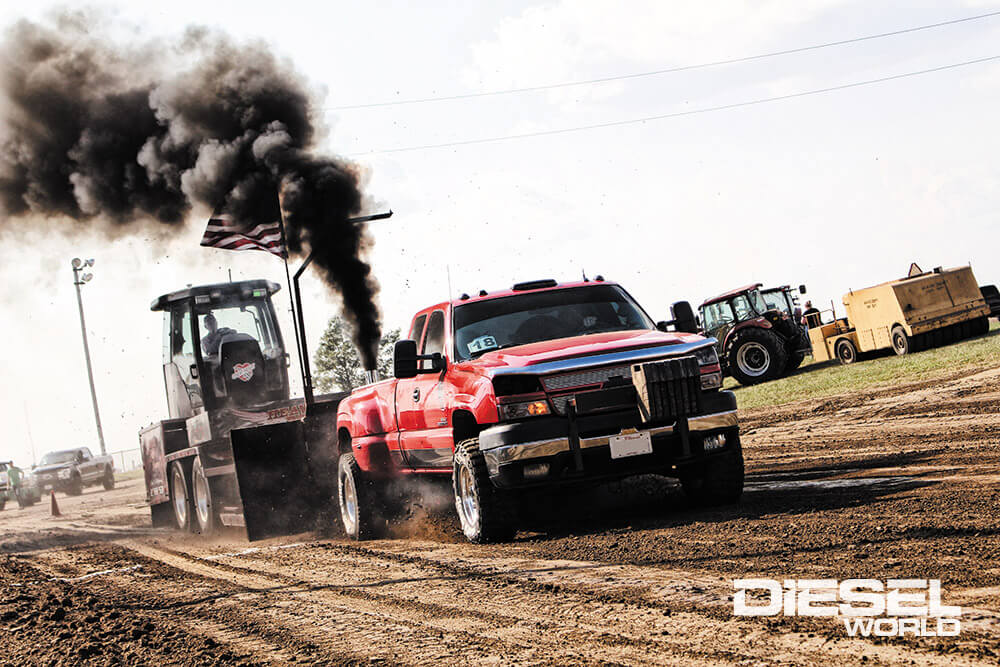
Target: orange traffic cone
(55,505)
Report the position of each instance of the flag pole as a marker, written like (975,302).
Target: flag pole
(307,385)
(288,282)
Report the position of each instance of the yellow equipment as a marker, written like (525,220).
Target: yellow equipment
(923,310)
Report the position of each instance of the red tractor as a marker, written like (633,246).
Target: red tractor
(758,333)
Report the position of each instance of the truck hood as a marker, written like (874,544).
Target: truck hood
(51,468)
(523,356)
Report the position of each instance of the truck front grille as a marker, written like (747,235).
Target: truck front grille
(585,378)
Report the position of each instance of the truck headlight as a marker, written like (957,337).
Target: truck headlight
(706,356)
(65,473)
(523,409)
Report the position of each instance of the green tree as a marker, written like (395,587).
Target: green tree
(337,362)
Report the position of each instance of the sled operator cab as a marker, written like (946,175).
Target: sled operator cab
(222,347)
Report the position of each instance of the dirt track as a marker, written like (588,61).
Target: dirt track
(892,484)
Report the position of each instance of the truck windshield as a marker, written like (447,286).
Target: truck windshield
(55,458)
(529,318)
(235,316)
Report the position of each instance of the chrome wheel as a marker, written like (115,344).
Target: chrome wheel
(348,503)
(467,501)
(753,359)
(179,492)
(202,497)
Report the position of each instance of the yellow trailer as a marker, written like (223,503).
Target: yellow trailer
(923,310)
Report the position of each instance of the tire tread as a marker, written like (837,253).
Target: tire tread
(496,509)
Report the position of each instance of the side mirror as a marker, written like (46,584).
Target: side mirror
(802,289)
(438,363)
(663,325)
(404,359)
(684,319)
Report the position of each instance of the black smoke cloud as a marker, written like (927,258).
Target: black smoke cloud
(125,136)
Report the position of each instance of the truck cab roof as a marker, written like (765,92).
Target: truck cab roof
(521,288)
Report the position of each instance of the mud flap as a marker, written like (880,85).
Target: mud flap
(276,488)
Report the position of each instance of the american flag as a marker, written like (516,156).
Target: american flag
(229,234)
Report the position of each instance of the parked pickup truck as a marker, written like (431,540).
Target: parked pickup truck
(70,470)
(535,387)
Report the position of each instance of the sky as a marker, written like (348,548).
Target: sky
(836,191)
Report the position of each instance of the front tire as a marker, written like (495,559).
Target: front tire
(901,342)
(756,355)
(180,501)
(75,485)
(202,501)
(717,481)
(485,512)
(845,351)
(108,481)
(360,511)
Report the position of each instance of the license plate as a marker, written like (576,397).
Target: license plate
(631,444)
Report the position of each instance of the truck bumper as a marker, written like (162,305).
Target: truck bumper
(557,452)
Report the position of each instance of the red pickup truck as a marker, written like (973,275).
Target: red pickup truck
(537,386)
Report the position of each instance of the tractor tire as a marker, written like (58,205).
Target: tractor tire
(75,485)
(845,351)
(901,343)
(206,517)
(180,499)
(980,326)
(3,502)
(756,355)
(359,499)
(795,360)
(108,481)
(485,512)
(717,481)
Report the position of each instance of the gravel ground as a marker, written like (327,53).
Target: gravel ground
(899,483)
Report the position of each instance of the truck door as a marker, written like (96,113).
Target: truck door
(93,466)
(425,435)
(408,420)
(183,390)
(82,464)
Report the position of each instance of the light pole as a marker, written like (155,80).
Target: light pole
(78,280)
